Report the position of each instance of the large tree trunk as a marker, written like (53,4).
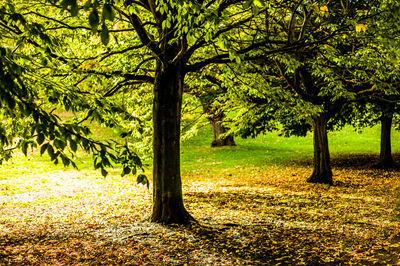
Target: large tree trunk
(386,159)
(322,167)
(167,185)
(218,129)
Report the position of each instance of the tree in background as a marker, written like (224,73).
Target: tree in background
(375,67)
(210,92)
(313,74)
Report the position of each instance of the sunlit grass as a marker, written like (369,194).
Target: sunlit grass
(264,151)
(271,149)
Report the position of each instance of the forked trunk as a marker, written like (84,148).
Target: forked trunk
(322,167)
(385,158)
(167,185)
(218,140)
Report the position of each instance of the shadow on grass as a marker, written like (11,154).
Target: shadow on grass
(290,229)
(270,244)
(356,161)
(262,243)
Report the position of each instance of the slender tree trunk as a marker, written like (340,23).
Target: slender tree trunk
(322,167)
(216,116)
(218,130)
(386,159)
(167,185)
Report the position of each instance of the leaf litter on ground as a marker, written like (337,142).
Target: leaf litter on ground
(248,216)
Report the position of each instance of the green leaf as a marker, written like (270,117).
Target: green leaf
(126,170)
(74,10)
(73,164)
(108,12)
(105,35)
(54,157)
(24,147)
(65,3)
(3,51)
(40,138)
(50,151)
(256,10)
(73,145)
(43,148)
(142,179)
(248,4)
(124,134)
(73,4)
(104,173)
(11,102)
(66,161)
(133,170)
(85,144)
(137,160)
(106,162)
(59,144)
(87,5)
(94,19)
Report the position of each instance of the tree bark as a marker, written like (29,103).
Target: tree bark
(167,185)
(218,130)
(385,158)
(216,116)
(322,167)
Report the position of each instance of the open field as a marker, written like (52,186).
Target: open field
(252,202)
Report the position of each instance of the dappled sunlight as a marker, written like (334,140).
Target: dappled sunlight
(247,215)
(106,152)
(328,223)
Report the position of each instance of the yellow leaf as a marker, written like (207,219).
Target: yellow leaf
(258,3)
(323,9)
(361,27)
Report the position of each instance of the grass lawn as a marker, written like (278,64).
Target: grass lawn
(252,202)
(271,149)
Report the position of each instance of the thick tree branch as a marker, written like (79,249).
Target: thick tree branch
(227,28)
(142,33)
(295,85)
(127,76)
(108,54)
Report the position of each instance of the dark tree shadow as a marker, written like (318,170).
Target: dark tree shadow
(269,244)
(364,161)
(356,161)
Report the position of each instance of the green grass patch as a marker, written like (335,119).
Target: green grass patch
(271,149)
(265,151)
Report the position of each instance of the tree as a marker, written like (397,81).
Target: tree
(313,73)
(385,157)
(166,40)
(208,89)
(372,111)
(30,98)
(376,67)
